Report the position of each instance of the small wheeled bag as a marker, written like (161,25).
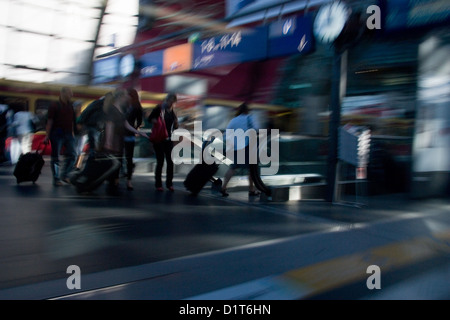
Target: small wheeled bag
(29,165)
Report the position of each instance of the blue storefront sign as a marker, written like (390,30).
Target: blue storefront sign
(237,47)
(106,70)
(151,64)
(290,36)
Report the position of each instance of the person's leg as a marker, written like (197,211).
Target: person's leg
(21,139)
(228,175)
(70,156)
(27,142)
(168,146)
(159,152)
(2,147)
(251,184)
(113,181)
(251,187)
(56,143)
(129,151)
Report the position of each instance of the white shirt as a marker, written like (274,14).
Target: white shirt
(22,122)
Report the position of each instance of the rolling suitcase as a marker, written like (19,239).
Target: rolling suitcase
(29,166)
(96,170)
(200,175)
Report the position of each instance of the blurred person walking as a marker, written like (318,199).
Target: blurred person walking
(92,120)
(60,132)
(116,126)
(24,128)
(163,149)
(134,114)
(243,120)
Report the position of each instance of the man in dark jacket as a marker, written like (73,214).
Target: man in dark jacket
(60,132)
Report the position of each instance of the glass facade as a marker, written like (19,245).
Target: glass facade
(56,40)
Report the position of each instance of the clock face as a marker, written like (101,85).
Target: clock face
(127,65)
(330,21)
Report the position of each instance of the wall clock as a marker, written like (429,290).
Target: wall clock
(127,64)
(330,21)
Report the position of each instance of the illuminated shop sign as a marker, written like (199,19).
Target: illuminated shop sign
(151,64)
(177,58)
(403,14)
(290,36)
(106,70)
(240,46)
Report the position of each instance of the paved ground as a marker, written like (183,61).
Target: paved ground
(170,246)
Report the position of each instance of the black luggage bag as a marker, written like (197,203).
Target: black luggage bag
(96,170)
(29,166)
(200,175)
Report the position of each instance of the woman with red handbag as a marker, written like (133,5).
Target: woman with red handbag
(164,121)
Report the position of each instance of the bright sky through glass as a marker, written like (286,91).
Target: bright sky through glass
(55,40)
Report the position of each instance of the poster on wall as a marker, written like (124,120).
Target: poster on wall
(177,58)
(151,64)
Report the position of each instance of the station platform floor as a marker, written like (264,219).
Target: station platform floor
(149,245)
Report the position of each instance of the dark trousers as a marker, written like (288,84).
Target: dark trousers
(114,178)
(59,140)
(163,150)
(129,152)
(2,147)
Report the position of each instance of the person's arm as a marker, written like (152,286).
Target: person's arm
(129,127)
(175,121)
(138,117)
(156,112)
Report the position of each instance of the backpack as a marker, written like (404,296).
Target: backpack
(93,115)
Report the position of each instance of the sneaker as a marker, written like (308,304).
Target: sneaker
(254,193)
(224,193)
(57,183)
(160,189)
(171,189)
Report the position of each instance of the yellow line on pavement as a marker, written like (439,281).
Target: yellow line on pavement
(332,274)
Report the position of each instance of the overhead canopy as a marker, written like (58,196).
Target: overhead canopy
(250,11)
(56,40)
